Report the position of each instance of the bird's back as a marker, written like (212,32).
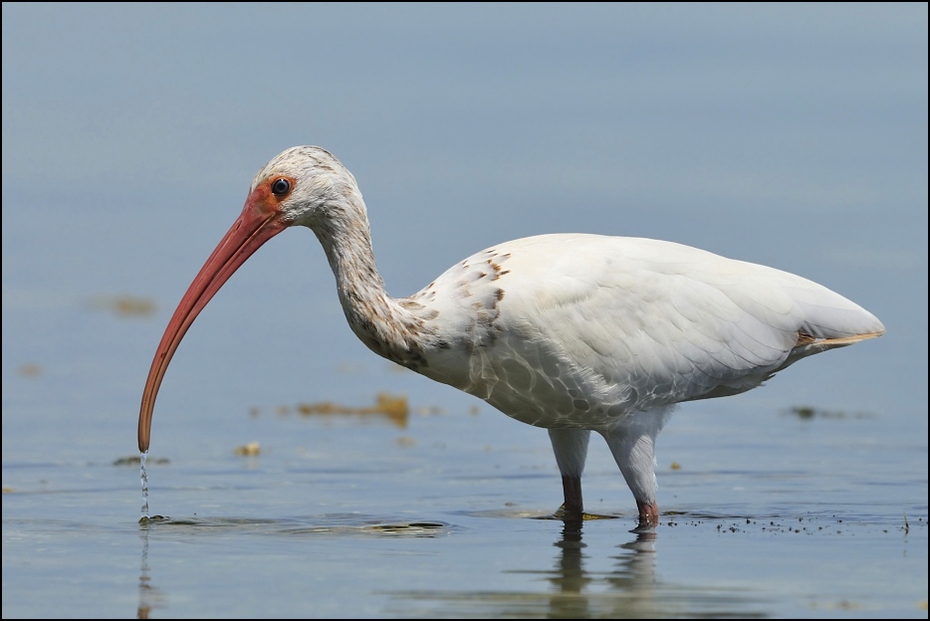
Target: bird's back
(568,328)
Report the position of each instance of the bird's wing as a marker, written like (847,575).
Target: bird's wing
(657,322)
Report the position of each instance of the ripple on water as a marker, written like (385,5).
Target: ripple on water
(332,524)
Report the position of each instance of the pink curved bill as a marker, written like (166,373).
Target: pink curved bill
(256,225)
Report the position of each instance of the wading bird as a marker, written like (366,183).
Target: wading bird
(573,333)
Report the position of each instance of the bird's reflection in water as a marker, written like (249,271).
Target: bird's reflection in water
(569,590)
(633,579)
(577,584)
(631,589)
(569,575)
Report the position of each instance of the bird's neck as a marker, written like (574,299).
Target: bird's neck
(385,325)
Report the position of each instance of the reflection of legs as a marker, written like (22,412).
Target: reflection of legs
(571,449)
(632,443)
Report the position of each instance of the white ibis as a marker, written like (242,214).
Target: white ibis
(573,333)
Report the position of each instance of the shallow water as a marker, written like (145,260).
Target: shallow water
(359,517)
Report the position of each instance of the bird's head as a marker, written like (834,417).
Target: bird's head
(301,186)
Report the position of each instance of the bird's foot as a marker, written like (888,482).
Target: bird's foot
(648,516)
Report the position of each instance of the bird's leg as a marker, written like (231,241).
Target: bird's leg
(573,507)
(571,449)
(632,443)
(636,457)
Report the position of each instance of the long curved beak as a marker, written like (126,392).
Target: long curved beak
(259,221)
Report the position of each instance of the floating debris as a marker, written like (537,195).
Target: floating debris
(395,408)
(249,450)
(124,305)
(807,412)
(29,370)
(803,411)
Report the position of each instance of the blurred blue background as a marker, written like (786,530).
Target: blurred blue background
(789,135)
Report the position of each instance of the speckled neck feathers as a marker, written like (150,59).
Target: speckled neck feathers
(328,201)
(381,322)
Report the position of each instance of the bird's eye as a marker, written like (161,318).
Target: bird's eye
(280,186)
